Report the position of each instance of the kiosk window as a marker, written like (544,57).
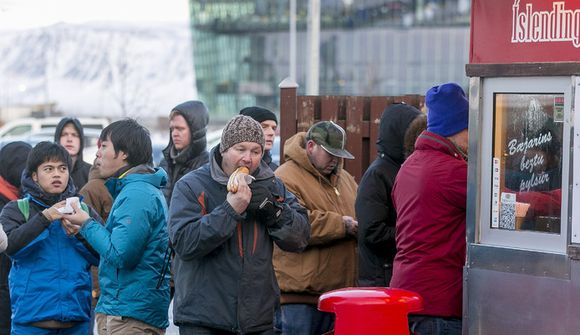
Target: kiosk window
(527,162)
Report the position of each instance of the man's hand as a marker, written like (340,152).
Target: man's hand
(263,203)
(240,200)
(73,222)
(52,213)
(260,194)
(351,226)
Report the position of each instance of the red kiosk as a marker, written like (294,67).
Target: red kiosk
(522,274)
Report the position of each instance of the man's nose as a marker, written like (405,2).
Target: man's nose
(247,157)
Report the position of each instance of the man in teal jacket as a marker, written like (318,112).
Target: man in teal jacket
(134,295)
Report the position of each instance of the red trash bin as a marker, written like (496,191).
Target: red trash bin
(370,310)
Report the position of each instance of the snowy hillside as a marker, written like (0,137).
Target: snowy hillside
(97,69)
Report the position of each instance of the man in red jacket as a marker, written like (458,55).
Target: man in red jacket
(429,196)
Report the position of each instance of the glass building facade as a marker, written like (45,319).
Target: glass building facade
(367,47)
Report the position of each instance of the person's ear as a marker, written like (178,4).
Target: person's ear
(310,146)
(34,177)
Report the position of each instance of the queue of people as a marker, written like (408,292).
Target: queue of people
(249,246)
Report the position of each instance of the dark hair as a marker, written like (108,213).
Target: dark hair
(130,137)
(415,129)
(46,152)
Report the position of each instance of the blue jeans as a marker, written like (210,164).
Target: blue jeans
(302,319)
(81,329)
(427,325)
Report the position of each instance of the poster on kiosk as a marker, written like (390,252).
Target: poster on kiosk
(522,273)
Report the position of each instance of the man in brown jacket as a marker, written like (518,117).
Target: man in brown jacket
(313,172)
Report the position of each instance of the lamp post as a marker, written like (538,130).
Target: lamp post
(312,72)
(293,40)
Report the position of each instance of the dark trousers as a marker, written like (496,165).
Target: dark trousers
(427,325)
(303,319)
(196,330)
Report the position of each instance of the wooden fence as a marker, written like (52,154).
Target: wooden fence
(358,115)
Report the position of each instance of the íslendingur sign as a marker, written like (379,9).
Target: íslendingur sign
(520,31)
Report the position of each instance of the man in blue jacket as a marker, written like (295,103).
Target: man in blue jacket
(134,288)
(50,283)
(223,237)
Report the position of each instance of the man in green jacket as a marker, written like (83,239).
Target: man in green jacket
(134,288)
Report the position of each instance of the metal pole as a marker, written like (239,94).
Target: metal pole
(313,48)
(293,40)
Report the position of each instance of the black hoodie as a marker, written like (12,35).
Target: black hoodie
(177,164)
(374,208)
(13,158)
(80,170)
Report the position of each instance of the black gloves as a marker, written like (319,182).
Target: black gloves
(263,203)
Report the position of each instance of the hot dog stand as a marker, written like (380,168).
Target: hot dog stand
(522,273)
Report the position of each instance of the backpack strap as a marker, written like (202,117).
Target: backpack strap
(85,208)
(24,207)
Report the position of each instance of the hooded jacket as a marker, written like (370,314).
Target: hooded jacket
(374,208)
(329,262)
(430,197)
(80,170)
(44,285)
(132,247)
(13,158)
(224,276)
(177,164)
(97,195)
(3,239)
(267,158)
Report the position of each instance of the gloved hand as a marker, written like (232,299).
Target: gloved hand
(263,203)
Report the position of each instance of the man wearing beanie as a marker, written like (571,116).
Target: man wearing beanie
(313,171)
(223,240)
(429,196)
(186,150)
(269,124)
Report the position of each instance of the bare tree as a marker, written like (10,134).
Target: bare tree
(126,82)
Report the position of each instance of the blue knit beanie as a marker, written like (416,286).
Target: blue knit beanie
(447,109)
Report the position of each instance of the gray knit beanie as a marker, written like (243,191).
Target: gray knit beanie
(241,129)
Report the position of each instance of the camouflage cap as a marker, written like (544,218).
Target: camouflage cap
(331,137)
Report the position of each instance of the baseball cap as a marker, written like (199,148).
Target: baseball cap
(331,137)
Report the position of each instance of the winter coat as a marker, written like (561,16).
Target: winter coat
(268,160)
(96,195)
(5,263)
(329,262)
(132,246)
(177,164)
(224,276)
(3,239)
(44,285)
(80,169)
(374,208)
(429,196)
(13,158)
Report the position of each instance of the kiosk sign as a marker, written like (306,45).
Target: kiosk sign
(556,25)
(529,31)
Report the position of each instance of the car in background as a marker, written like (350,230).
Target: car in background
(27,126)
(91,138)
